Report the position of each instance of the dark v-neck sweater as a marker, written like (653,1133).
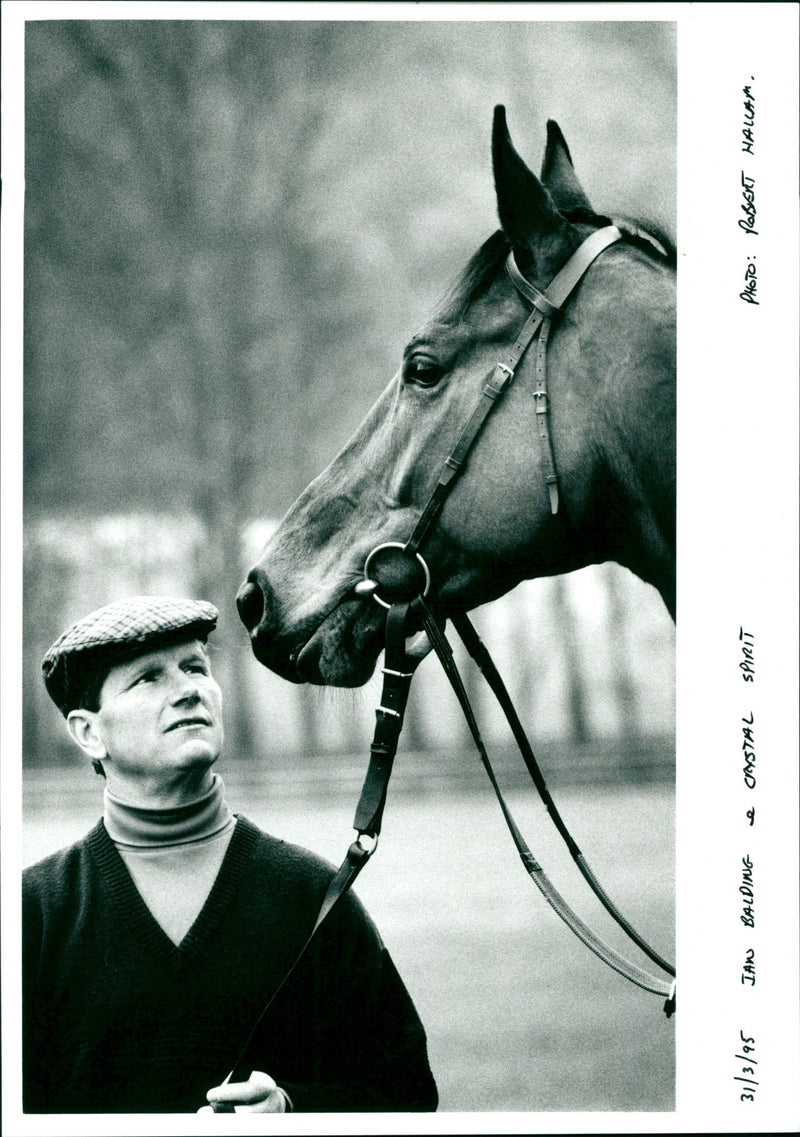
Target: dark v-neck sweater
(173,854)
(119,1019)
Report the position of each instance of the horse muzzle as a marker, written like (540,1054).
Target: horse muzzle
(250,605)
(336,647)
(272,646)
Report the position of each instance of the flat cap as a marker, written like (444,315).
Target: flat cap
(116,632)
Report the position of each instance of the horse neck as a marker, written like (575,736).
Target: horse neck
(645,544)
(636,499)
(623,507)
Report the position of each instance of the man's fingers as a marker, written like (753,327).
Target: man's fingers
(257,1087)
(418,646)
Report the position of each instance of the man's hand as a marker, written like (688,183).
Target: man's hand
(418,645)
(259,1094)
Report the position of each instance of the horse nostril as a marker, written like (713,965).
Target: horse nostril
(250,603)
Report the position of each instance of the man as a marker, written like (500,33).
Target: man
(152,945)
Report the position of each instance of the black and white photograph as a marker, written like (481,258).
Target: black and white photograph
(400,568)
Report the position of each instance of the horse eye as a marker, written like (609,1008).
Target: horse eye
(422,373)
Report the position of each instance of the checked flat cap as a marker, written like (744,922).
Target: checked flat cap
(116,632)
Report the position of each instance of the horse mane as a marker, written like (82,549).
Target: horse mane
(643,234)
(483,266)
(650,237)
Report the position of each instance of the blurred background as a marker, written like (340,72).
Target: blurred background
(231,229)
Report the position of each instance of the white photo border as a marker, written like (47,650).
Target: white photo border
(737,565)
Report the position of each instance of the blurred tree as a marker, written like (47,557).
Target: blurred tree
(232,226)
(160,287)
(575,683)
(253,216)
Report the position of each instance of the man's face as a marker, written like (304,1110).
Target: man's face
(161,713)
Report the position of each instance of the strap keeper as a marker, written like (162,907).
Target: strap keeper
(357,855)
(397,674)
(542,304)
(453,463)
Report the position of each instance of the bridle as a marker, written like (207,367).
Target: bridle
(546,306)
(407,582)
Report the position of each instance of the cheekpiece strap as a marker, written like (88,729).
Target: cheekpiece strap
(548,305)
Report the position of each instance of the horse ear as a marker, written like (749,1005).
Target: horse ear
(559,175)
(540,236)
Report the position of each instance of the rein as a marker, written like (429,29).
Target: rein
(408,572)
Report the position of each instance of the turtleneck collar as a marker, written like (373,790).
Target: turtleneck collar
(139,827)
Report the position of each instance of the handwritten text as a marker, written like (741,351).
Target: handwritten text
(748,916)
(747,1075)
(748,293)
(747,665)
(749,120)
(748,207)
(749,967)
(749,751)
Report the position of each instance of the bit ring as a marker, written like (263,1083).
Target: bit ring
(370,580)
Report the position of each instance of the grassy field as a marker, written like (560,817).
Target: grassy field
(519,1014)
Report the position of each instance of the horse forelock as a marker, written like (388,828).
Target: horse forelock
(481,269)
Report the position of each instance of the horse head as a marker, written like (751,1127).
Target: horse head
(611,392)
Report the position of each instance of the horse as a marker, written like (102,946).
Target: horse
(590,481)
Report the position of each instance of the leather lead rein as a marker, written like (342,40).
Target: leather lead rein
(398,670)
(399,667)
